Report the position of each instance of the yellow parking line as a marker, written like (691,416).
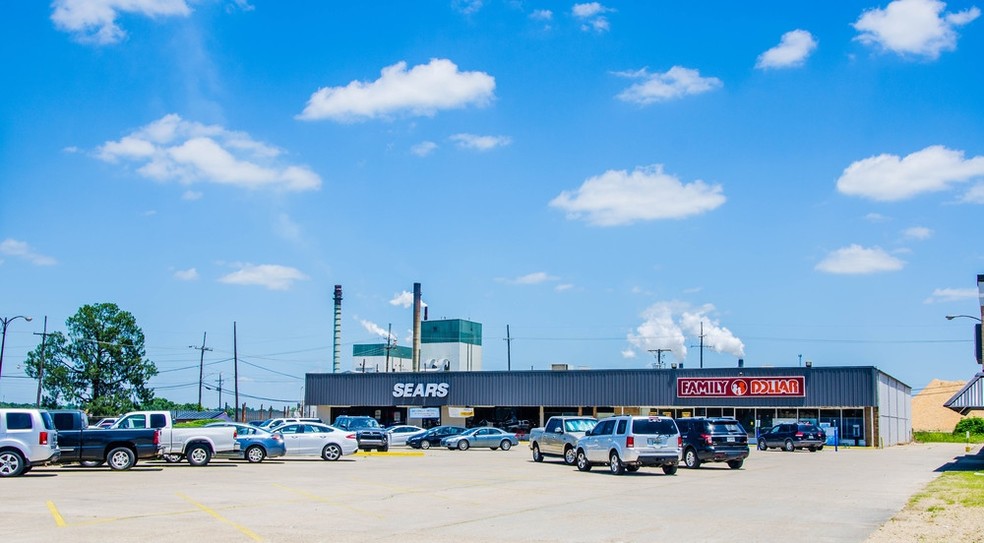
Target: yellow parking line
(59,520)
(250,533)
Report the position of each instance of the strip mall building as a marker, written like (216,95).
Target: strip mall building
(867,406)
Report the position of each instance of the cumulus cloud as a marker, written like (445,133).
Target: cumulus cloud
(913,27)
(975,195)
(918,233)
(858,260)
(94,21)
(618,197)
(891,178)
(376,329)
(271,276)
(423,148)
(541,15)
(420,91)
(480,143)
(793,48)
(173,149)
(191,195)
(667,325)
(466,7)
(592,15)
(405,300)
(22,250)
(676,82)
(191,274)
(943,295)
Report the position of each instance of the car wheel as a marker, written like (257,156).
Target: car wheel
(691,459)
(425,444)
(812,449)
(463,445)
(505,445)
(172,458)
(121,458)
(762,445)
(788,446)
(735,464)
(91,463)
(199,455)
(820,448)
(331,452)
(570,457)
(670,469)
(255,454)
(615,464)
(384,448)
(582,462)
(537,455)
(11,464)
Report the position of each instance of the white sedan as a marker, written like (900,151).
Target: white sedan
(311,438)
(398,434)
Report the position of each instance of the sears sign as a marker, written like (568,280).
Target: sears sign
(420,390)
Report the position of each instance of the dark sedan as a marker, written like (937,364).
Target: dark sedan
(793,435)
(255,443)
(433,436)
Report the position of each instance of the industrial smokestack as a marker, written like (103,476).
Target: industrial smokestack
(416,327)
(336,359)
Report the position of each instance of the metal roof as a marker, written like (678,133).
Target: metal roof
(970,397)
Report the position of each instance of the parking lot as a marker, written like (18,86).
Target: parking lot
(476,495)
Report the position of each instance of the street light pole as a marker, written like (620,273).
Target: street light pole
(3,340)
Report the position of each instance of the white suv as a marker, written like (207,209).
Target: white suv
(27,438)
(626,443)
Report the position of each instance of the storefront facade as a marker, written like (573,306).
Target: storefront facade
(865,405)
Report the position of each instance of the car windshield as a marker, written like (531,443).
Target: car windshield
(807,428)
(726,427)
(579,425)
(653,426)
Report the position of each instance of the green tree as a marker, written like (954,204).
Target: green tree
(99,365)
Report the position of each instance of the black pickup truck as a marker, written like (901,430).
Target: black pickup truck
(119,449)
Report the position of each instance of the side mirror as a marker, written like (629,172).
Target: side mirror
(559,430)
(589,432)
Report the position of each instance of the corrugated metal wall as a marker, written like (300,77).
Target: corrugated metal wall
(855,386)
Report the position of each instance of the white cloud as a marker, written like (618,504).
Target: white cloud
(793,48)
(424,148)
(666,325)
(618,197)
(405,300)
(191,274)
(21,249)
(466,7)
(94,21)
(531,279)
(676,82)
(173,149)
(480,143)
(975,195)
(563,287)
(916,27)
(421,91)
(858,260)
(918,233)
(271,276)
(592,13)
(628,353)
(891,178)
(943,295)
(376,329)
(541,15)
(876,218)
(191,195)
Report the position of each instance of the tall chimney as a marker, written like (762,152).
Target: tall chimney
(336,359)
(416,327)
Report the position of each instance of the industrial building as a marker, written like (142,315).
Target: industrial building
(866,406)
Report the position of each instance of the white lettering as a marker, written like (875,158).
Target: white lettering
(398,390)
(422,390)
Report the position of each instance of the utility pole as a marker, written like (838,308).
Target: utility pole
(220,390)
(659,356)
(389,345)
(702,346)
(44,336)
(235,375)
(201,367)
(508,350)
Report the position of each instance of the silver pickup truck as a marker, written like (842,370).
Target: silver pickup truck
(559,437)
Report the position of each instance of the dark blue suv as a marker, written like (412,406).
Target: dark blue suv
(713,440)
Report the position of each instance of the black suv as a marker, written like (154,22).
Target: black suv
(793,435)
(368,433)
(713,440)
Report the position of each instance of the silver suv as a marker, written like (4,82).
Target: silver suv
(27,438)
(626,443)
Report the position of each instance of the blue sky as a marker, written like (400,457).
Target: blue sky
(802,180)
